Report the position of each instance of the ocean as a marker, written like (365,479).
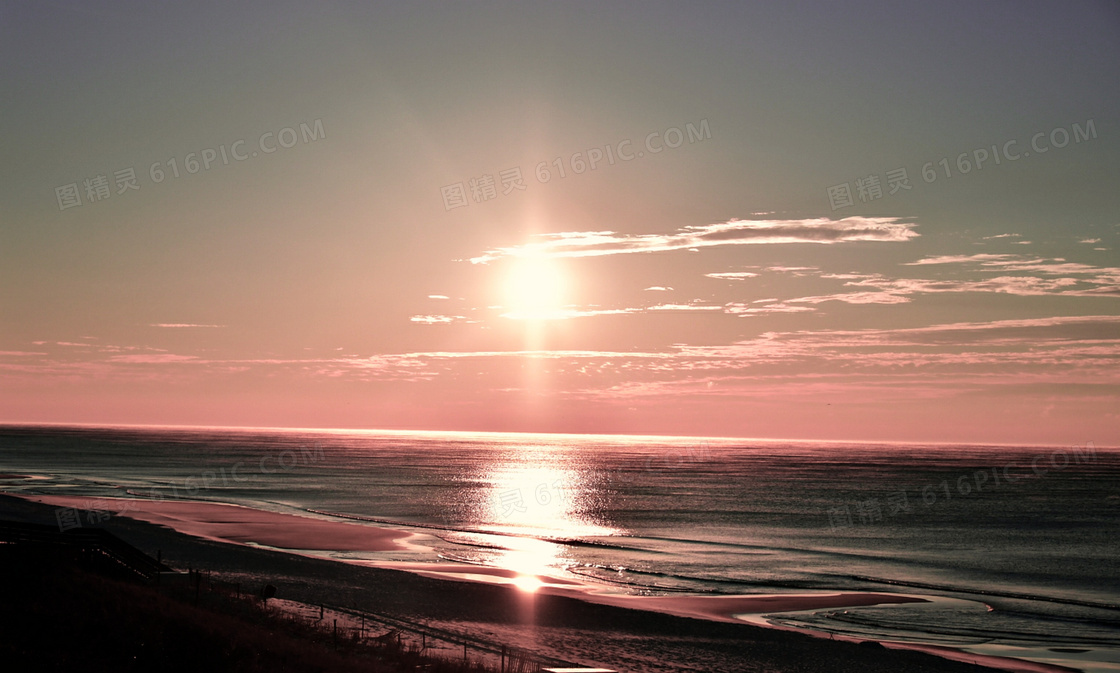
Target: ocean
(1018,546)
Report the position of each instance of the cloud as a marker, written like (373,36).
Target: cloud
(732,275)
(883,297)
(438,296)
(684,307)
(957,259)
(1090,240)
(847,276)
(1033,277)
(658,288)
(734,232)
(988,238)
(1009,274)
(570,313)
(436,319)
(748,310)
(1023,286)
(943,359)
(795,270)
(152,358)
(1073,354)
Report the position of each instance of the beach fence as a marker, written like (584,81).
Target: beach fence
(427,645)
(415,642)
(422,640)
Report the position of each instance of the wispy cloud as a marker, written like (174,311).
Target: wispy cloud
(881,297)
(1018,275)
(152,358)
(958,259)
(795,270)
(938,360)
(1044,276)
(570,313)
(437,319)
(734,232)
(732,275)
(735,308)
(684,307)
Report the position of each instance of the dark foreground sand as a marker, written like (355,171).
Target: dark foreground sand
(697,636)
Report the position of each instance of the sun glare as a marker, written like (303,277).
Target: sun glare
(535,289)
(527,583)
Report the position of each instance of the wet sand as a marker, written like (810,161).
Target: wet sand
(231,523)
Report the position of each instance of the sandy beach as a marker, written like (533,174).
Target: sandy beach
(563,620)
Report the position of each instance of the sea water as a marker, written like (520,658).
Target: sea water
(1017,544)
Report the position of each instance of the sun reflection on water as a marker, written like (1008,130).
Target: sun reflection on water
(537,499)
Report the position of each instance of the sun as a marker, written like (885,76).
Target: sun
(535,288)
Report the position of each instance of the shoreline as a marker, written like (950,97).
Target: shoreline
(236,524)
(222,523)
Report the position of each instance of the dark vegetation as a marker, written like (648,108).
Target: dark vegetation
(63,612)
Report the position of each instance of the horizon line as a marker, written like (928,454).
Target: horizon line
(392,431)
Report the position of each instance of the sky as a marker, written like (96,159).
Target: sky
(882,221)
